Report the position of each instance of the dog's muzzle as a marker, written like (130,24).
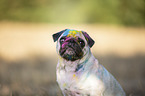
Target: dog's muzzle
(70,49)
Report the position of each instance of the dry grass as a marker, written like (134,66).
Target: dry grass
(28,57)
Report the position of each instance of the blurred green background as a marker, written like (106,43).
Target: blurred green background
(124,12)
(28,57)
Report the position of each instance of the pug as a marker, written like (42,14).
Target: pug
(78,71)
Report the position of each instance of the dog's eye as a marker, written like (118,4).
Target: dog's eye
(82,43)
(62,39)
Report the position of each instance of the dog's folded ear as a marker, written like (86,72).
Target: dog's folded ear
(89,39)
(57,35)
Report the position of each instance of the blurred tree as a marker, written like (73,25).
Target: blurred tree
(132,12)
(124,12)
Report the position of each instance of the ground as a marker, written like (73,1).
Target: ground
(28,57)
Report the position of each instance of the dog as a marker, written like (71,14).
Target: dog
(78,71)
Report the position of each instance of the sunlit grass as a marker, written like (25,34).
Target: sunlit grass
(22,39)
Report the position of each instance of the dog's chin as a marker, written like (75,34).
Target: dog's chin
(70,54)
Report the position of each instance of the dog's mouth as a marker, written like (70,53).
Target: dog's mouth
(71,51)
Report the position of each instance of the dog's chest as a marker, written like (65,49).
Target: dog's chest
(67,79)
(80,84)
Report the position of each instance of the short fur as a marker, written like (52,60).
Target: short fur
(84,76)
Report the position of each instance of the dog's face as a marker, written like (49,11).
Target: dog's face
(72,44)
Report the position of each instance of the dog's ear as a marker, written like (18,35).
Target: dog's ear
(57,35)
(89,39)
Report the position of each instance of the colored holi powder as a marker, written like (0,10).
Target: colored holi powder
(79,67)
(71,33)
(64,84)
(75,77)
(70,57)
(87,36)
(63,45)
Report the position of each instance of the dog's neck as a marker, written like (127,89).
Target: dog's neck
(74,66)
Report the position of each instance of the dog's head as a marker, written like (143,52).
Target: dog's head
(72,44)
